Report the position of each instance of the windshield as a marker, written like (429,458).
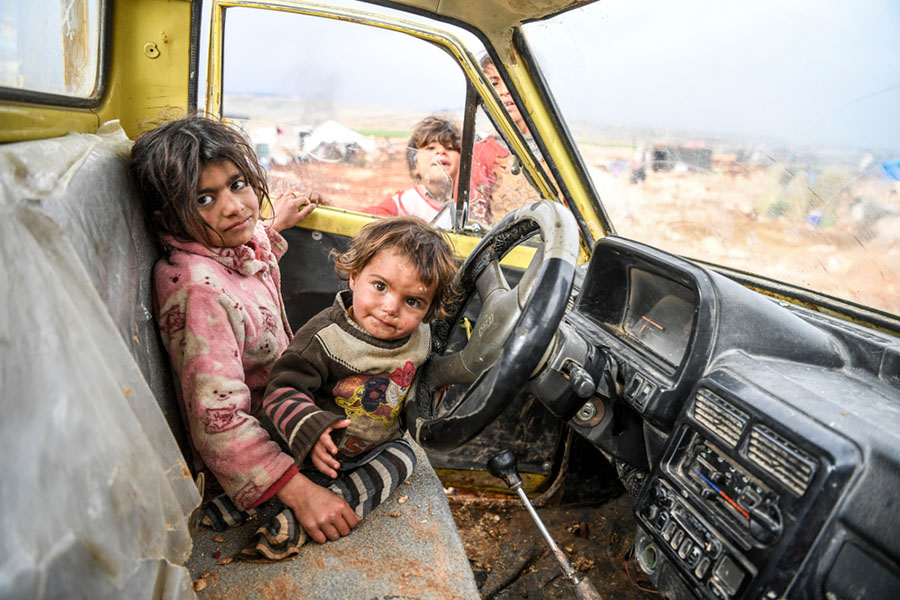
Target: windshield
(763,136)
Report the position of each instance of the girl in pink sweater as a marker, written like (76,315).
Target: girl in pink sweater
(219,306)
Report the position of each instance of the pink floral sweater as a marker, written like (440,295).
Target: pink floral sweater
(222,320)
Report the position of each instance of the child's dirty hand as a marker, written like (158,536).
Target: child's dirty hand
(322,454)
(323,514)
(292,207)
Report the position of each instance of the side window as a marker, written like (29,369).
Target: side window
(370,118)
(51,47)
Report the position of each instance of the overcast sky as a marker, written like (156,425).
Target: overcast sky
(804,70)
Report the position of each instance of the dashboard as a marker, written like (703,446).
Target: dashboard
(769,433)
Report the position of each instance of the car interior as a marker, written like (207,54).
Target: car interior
(759,421)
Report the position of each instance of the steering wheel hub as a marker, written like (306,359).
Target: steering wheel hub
(513,330)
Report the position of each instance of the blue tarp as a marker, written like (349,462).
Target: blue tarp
(892,168)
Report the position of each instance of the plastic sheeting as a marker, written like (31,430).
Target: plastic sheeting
(95,494)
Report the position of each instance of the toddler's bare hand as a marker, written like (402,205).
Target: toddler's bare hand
(322,453)
(323,514)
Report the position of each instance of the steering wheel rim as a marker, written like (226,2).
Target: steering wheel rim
(522,321)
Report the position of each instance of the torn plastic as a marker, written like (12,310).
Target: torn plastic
(95,495)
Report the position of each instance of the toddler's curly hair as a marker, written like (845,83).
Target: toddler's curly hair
(425,246)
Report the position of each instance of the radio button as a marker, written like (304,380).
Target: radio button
(685,549)
(729,574)
(676,539)
(717,589)
(702,567)
(713,546)
(694,556)
(662,520)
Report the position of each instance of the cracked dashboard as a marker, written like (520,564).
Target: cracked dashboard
(770,434)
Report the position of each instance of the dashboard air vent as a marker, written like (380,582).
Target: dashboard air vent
(781,459)
(720,417)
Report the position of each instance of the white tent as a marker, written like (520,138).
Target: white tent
(331,137)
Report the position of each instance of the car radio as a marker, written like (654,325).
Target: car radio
(732,497)
(701,551)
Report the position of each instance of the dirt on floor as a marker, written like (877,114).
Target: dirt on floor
(510,558)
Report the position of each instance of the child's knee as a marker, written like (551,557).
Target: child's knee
(413,461)
(405,456)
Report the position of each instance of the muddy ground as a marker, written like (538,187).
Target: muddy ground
(590,518)
(511,560)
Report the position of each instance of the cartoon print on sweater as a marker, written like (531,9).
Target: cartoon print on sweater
(221,396)
(371,396)
(182,342)
(264,346)
(377,398)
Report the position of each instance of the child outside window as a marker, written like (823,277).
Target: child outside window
(497,186)
(432,155)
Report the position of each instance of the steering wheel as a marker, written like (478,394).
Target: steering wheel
(512,335)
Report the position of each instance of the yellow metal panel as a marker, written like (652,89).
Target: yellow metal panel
(20,122)
(150,62)
(532,483)
(346,223)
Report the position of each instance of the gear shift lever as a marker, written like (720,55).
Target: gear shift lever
(504,466)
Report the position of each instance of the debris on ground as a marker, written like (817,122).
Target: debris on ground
(511,560)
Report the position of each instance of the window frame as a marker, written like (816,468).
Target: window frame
(479,90)
(101,78)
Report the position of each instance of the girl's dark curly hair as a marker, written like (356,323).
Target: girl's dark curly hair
(167,161)
(425,246)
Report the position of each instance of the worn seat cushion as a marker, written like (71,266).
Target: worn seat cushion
(408,547)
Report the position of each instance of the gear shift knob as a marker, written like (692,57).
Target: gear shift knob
(505,466)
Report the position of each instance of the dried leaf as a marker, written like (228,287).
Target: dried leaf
(199,584)
(584,564)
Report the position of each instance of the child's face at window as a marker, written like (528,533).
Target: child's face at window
(228,204)
(513,110)
(389,297)
(436,162)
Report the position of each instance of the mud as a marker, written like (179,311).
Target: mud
(511,560)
